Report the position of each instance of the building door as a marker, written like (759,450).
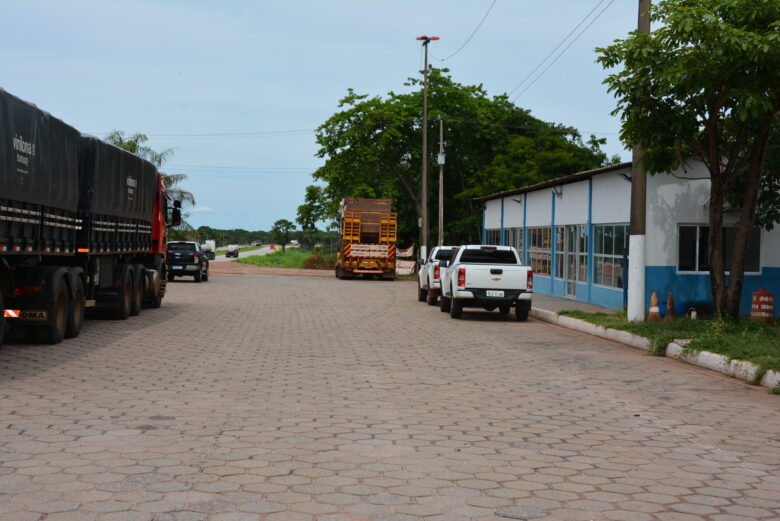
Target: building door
(571,249)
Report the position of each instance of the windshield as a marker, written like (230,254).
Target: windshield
(181,246)
(488,256)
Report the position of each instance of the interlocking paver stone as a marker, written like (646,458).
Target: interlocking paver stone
(265,397)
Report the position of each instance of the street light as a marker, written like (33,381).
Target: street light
(424,184)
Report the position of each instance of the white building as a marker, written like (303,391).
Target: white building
(574,232)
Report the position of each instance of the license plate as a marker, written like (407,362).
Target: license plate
(177,267)
(494,293)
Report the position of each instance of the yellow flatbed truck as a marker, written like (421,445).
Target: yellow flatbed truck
(367,237)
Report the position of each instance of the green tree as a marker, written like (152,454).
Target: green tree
(704,85)
(281,232)
(372,148)
(309,213)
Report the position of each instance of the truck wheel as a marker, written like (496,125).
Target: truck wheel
(456,308)
(431,298)
(125,293)
(206,277)
(521,315)
(139,285)
(444,304)
(199,276)
(54,330)
(504,309)
(170,276)
(76,310)
(421,294)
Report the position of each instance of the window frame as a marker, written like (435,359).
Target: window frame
(596,255)
(697,271)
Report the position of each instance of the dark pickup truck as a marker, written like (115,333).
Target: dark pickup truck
(187,258)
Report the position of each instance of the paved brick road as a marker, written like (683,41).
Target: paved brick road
(292,398)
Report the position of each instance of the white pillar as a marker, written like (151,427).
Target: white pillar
(636,278)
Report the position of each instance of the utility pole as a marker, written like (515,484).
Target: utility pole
(424,182)
(441,181)
(636,244)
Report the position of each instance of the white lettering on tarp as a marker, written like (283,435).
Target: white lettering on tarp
(25,147)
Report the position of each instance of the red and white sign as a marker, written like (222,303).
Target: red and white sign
(408,252)
(405,267)
(11,313)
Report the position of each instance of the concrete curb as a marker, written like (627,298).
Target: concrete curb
(739,369)
(624,337)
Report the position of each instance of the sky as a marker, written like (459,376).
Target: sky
(237,88)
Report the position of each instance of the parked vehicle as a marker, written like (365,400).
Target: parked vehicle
(367,236)
(186,258)
(489,277)
(429,276)
(82,224)
(232,251)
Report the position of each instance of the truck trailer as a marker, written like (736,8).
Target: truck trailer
(367,237)
(82,224)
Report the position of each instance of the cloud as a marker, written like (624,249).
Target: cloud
(201,209)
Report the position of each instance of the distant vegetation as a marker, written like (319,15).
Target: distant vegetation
(240,236)
(294,258)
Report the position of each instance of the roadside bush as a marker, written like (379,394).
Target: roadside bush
(318,261)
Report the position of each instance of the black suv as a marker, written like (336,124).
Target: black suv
(187,258)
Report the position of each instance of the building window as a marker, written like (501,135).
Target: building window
(610,241)
(539,250)
(582,274)
(559,248)
(693,249)
(493,236)
(514,237)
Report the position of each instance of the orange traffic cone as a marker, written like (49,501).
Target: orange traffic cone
(654,315)
(670,314)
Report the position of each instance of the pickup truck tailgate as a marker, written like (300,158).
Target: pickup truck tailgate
(496,277)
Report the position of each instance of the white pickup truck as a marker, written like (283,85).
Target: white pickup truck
(487,277)
(429,277)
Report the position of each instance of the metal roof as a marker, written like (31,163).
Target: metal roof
(571,178)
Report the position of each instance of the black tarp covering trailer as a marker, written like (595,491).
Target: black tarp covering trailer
(38,180)
(117,194)
(76,226)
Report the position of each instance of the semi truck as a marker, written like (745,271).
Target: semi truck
(367,238)
(82,224)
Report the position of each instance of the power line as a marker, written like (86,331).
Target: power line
(228,134)
(565,49)
(472,34)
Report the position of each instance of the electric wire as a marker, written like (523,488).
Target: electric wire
(470,37)
(564,50)
(556,47)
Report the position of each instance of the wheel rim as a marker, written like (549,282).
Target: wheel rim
(78,307)
(128,297)
(60,311)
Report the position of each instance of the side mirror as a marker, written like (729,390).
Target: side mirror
(444,263)
(176,213)
(420,261)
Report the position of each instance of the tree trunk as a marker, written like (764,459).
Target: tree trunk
(715,242)
(745,226)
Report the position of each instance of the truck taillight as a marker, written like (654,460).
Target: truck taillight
(530,280)
(195,257)
(462,277)
(436,272)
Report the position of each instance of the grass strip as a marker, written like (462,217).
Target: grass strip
(289,258)
(744,340)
